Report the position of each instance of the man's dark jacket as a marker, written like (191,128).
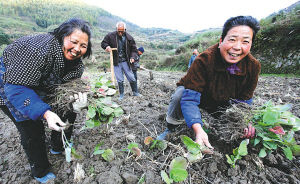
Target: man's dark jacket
(111,39)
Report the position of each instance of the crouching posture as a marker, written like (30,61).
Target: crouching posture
(31,67)
(224,73)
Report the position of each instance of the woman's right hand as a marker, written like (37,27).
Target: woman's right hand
(53,121)
(201,136)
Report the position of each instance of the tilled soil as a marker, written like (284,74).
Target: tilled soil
(144,116)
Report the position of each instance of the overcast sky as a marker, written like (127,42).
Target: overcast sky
(188,15)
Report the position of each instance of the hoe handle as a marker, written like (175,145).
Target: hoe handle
(112,66)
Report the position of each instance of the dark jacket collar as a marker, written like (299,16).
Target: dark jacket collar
(221,65)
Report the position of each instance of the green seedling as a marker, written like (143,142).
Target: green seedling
(97,150)
(237,153)
(75,154)
(102,109)
(194,149)
(276,127)
(91,171)
(177,170)
(102,82)
(107,154)
(165,177)
(142,179)
(134,148)
(159,144)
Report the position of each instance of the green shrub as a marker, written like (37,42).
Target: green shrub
(4,38)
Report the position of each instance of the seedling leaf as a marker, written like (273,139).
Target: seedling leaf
(256,141)
(148,140)
(192,147)
(107,111)
(161,145)
(296,150)
(243,148)
(229,160)
(89,123)
(178,174)
(118,111)
(91,111)
(288,153)
(193,158)
(270,117)
(136,151)
(98,152)
(132,145)
(262,153)
(178,162)
(75,154)
(165,177)
(142,179)
(108,155)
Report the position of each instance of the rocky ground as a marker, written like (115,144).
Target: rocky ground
(146,118)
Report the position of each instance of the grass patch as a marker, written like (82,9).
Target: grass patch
(279,75)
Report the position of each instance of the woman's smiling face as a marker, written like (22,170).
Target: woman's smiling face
(236,44)
(75,45)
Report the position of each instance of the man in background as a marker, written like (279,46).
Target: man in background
(122,57)
(193,57)
(136,63)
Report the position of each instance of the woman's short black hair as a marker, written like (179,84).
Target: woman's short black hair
(240,21)
(68,27)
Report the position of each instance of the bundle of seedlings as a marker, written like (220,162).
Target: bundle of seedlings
(225,126)
(60,99)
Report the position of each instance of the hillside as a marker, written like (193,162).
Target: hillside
(145,115)
(276,45)
(24,17)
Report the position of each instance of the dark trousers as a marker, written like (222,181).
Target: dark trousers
(135,74)
(33,141)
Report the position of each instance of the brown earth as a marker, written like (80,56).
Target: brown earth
(147,115)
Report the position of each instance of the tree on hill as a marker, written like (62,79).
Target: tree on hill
(4,38)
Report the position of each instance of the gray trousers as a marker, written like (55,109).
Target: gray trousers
(174,114)
(121,69)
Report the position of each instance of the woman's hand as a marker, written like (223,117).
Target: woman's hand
(249,132)
(53,121)
(201,136)
(80,103)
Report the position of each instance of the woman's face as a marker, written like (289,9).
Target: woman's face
(75,45)
(236,44)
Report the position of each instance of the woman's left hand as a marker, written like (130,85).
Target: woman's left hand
(80,102)
(249,132)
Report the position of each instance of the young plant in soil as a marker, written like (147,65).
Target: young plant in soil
(158,144)
(178,165)
(238,153)
(177,170)
(194,149)
(275,127)
(134,149)
(102,109)
(106,154)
